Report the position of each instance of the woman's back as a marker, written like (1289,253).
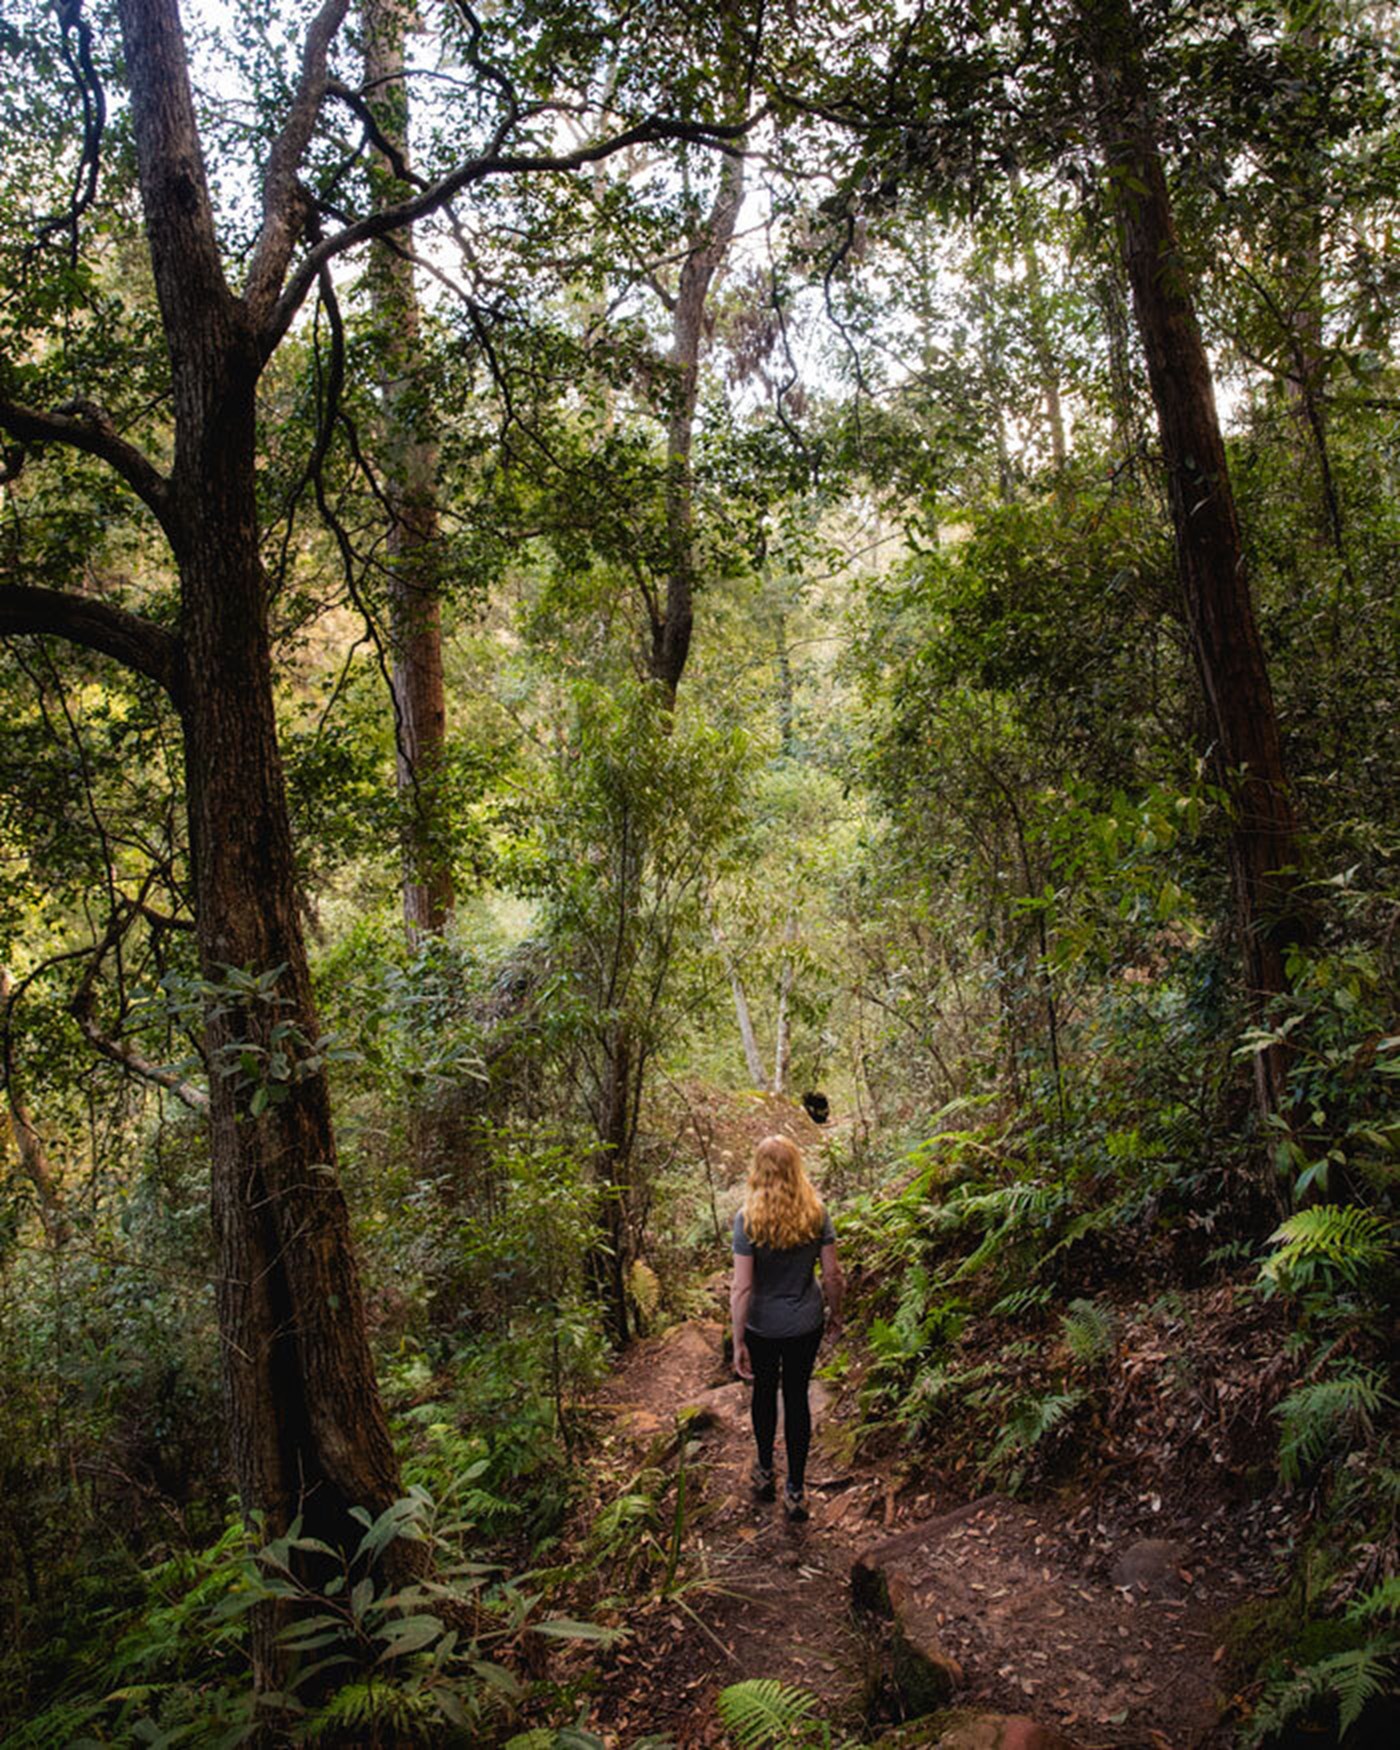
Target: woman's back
(786,1299)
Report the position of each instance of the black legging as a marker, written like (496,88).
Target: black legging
(790,1359)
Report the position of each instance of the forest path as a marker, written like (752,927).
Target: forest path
(1107,1636)
(773,1599)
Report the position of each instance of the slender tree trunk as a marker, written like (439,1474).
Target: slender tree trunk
(1112,299)
(610,1260)
(787,703)
(672,627)
(672,622)
(1040,327)
(1303,258)
(753,1058)
(989,351)
(782,1042)
(408,462)
(1265,850)
(33,1156)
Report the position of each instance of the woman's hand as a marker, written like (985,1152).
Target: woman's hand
(740,1295)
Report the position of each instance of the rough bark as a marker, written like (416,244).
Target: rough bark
(305,1426)
(1264,838)
(408,469)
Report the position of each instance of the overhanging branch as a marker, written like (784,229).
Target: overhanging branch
(84,427)
(83,1008)
(96,625)
(497,162)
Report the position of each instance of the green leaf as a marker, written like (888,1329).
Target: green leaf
(407,1634)
(566,1628)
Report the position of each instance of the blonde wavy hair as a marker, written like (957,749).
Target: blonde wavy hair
(782,1208)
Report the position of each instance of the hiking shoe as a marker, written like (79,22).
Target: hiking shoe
(763,1486)
(795,1502)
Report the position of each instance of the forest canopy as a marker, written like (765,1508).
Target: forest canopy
(570,575)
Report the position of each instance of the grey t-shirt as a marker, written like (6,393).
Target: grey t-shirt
(786,1300)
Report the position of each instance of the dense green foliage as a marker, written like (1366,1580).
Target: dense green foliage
(936,803)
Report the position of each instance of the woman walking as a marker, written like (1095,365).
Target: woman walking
(780,1235)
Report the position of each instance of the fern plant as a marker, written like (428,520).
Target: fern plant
(764,1714)
(1325,1415)
(1346,1683)
(1089,1331)
(1326,1247)
(1029,1423)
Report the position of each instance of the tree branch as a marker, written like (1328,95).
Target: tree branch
(83,426)
(491,164)
(376,136)
(283,204)
(82,1006)
(138,644)
(33,1157)
(124,1053)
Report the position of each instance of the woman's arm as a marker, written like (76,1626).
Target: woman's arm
(740,1294)
(833,1286)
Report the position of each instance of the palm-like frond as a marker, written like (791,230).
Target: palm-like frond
(762,1713)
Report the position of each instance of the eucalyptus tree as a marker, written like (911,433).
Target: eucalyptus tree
(240,227)
(407,457)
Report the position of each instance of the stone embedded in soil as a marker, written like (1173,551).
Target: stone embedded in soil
(1003,1732)
(869,1585)
(1155,1566)
(925,1674)
(643,1426)
(699,1343)
(721,1403)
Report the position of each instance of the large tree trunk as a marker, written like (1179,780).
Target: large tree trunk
(1264,837)
(408,461)
(306,1430)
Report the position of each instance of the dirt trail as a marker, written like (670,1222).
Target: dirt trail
(1107,1634)
(778,1602)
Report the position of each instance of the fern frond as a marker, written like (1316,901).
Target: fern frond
(762,1713)
(1327,1413)
(381,1706)
(1349,1681)
(1339,1239)
(1380,1601)
(1021,1300)
(1088,1330)
(1029,1423)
